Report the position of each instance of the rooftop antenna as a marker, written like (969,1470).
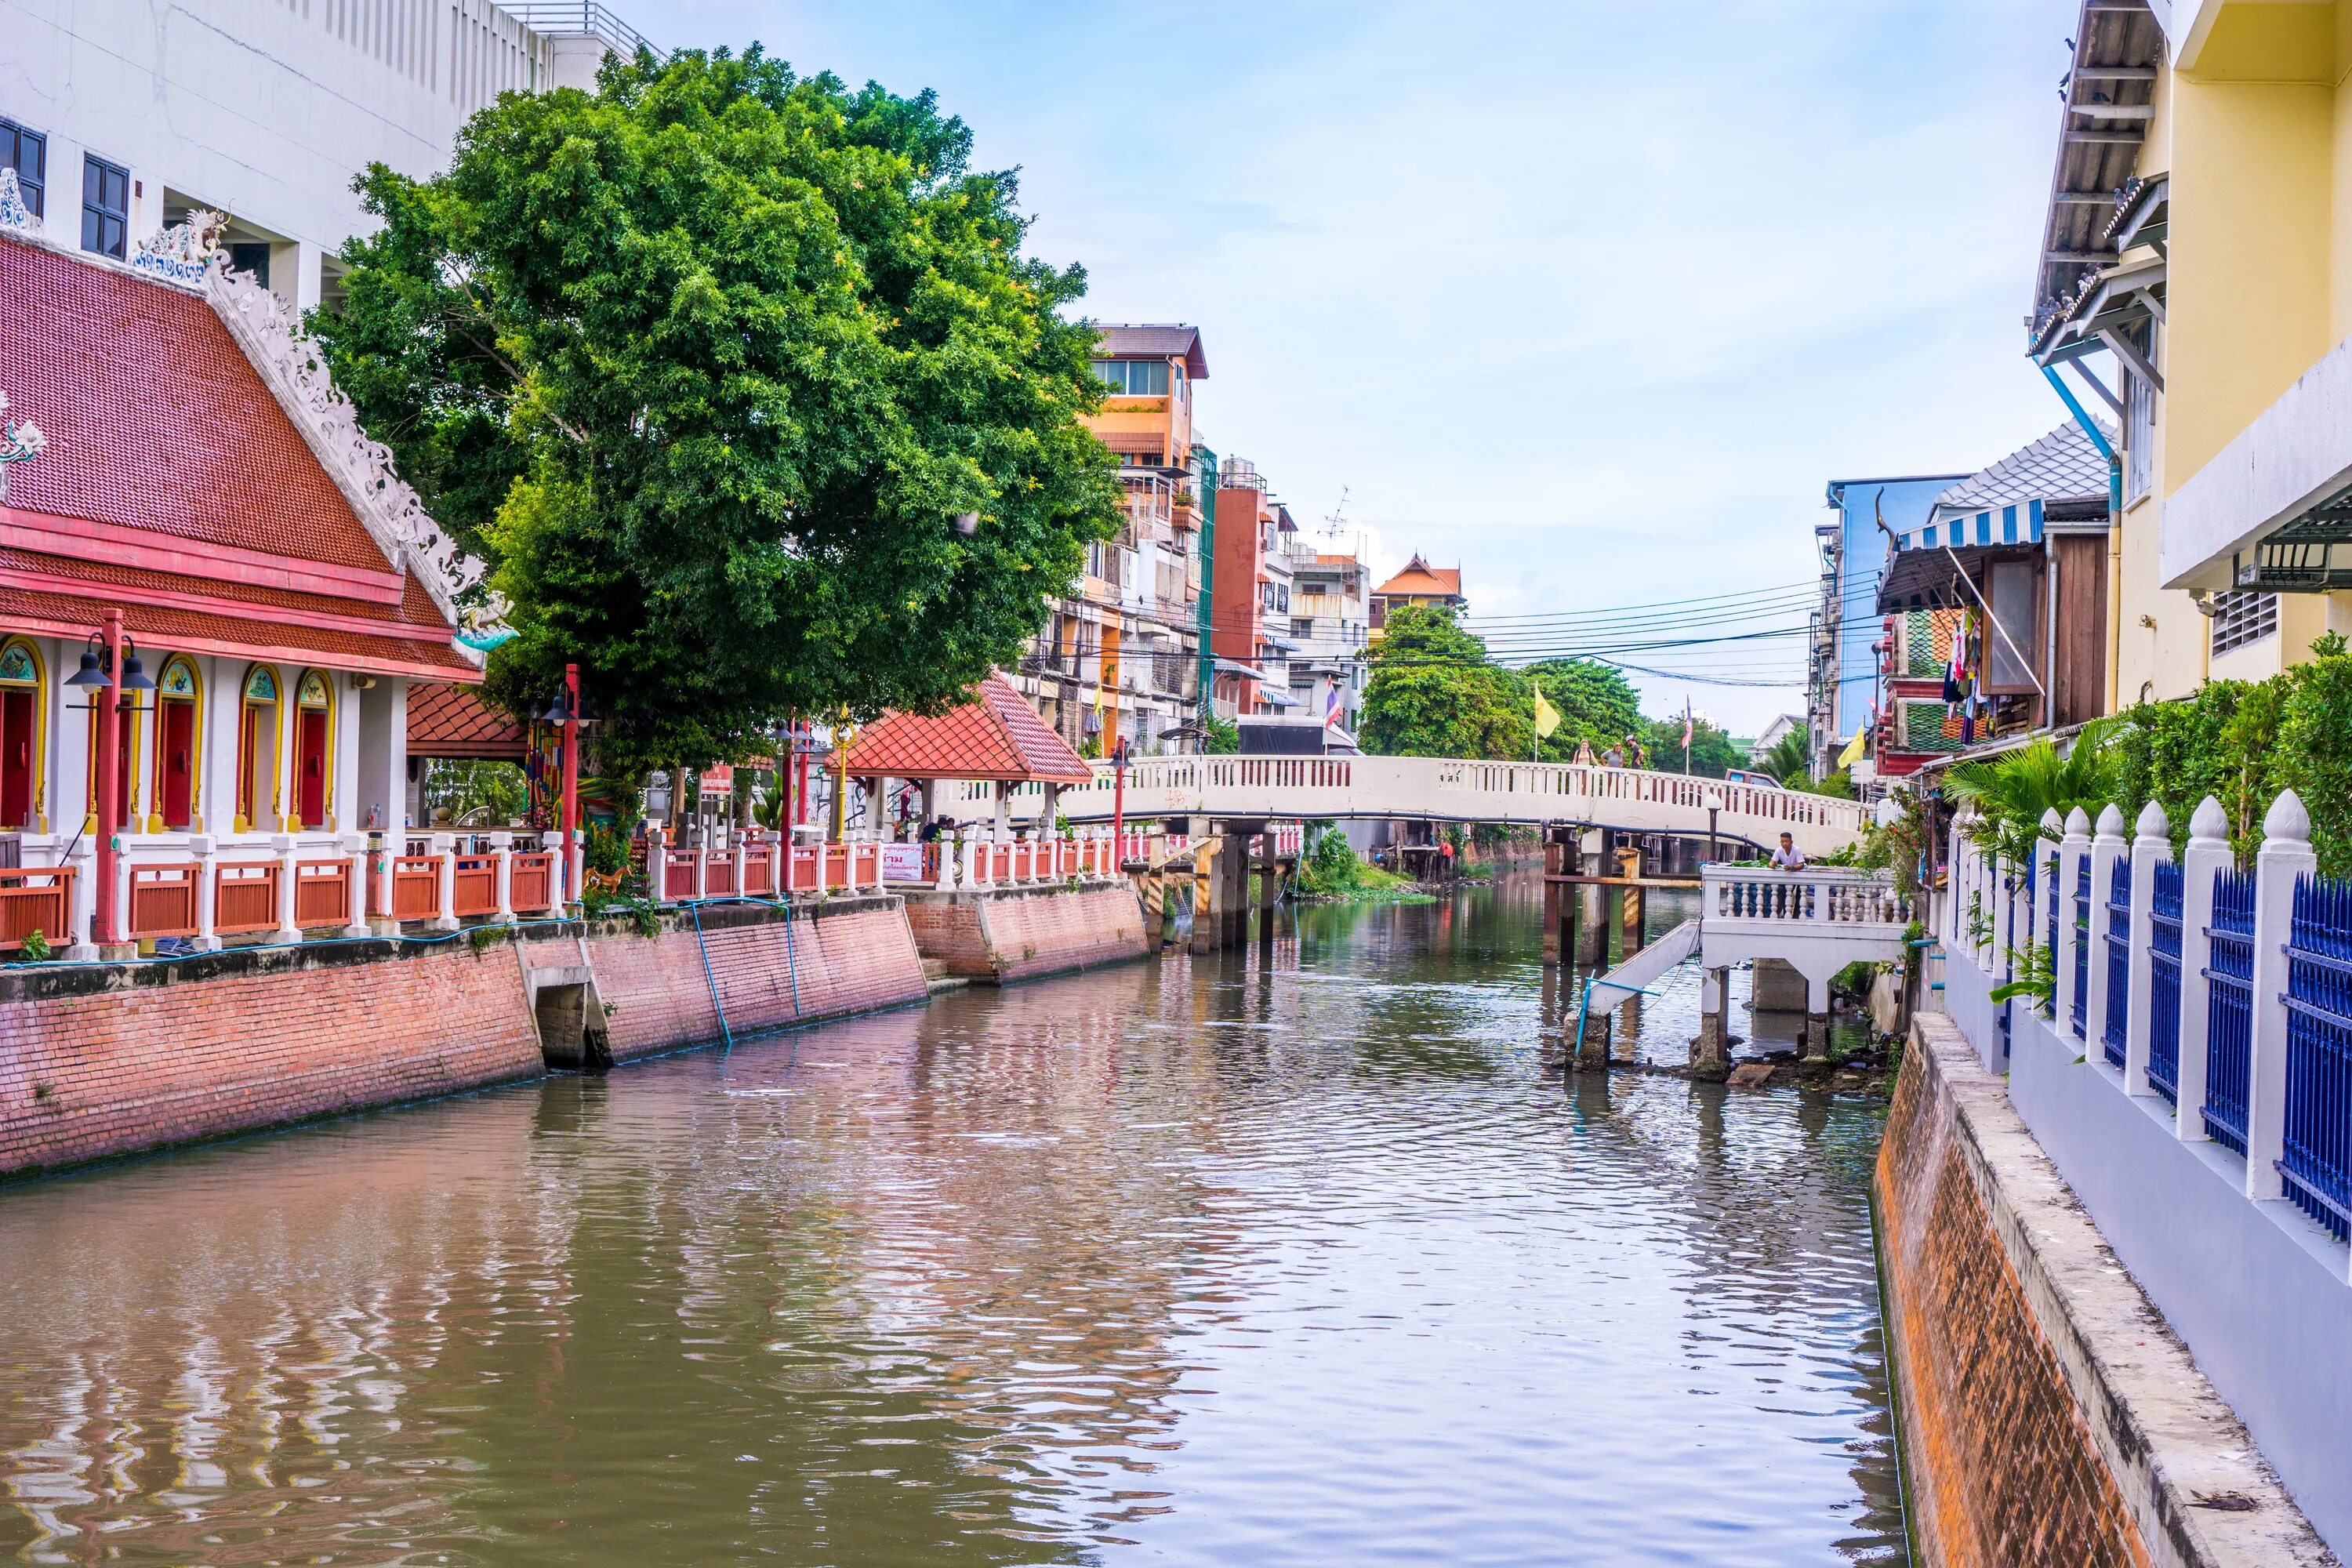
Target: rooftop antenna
(1332,523)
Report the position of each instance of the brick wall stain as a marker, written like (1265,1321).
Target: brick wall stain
(2002,1466)
(83,1077)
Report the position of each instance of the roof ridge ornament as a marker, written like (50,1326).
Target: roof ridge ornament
(182,251)
(14,213)
(20,440)
(292,362)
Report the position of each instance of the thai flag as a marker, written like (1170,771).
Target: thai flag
(1687,723)
(1331,706)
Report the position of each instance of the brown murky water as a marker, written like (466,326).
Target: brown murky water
(1308,1261)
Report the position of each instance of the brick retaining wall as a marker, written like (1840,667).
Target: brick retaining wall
(2049,1417)
(95,1062)
(844,957)
(1021,933)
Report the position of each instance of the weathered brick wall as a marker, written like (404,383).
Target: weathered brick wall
(101,1062)
(2049,1417)
(770,972)
(1020,934)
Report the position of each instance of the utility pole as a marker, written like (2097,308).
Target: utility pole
(1204,469)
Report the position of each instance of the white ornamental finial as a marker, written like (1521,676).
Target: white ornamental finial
(14,213)
(19,441)
(182,251)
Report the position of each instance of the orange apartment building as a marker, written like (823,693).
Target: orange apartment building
(1118,659)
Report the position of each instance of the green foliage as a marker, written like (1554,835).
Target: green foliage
(1595,703)
(1331,869)
(1837,786)
(2012,790)
(1224,737)
(1712,755)
(2036,978)
(705,363)
(34,948)
(1435,693)
(607,849)
(2243,742)
(1788,762)
(475,793)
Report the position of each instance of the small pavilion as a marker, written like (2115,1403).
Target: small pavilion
(996,738)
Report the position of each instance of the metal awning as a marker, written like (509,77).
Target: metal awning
(1920,571)
(1236,667)
(2310,554)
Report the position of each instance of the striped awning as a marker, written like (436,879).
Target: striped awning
(2019,524)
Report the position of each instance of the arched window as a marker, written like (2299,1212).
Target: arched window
(257,750)
(22,690)
(179,714)
(314,749)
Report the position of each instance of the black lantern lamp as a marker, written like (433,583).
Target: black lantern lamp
(94,669)
(93,672)
(134,677)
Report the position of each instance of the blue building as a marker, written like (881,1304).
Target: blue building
(1853,553)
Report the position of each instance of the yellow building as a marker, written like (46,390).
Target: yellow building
(2199,252)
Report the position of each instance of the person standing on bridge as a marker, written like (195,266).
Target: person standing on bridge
(1788,858)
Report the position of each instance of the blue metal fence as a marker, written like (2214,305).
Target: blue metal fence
(2163,982)
(2229,1009)
(2081,948)
(2111,1039)
(2317,1158)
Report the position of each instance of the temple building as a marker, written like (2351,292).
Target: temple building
(277,586)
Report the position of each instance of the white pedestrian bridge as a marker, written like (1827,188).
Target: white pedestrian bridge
(1263,789)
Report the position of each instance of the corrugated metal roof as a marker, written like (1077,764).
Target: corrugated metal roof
(2061,467)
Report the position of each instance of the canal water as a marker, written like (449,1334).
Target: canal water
(1307,1257)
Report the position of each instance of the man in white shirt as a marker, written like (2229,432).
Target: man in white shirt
(1788,858)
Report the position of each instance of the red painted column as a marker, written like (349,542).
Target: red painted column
(569,817)
(110,741)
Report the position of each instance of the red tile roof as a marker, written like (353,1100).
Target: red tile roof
(156,420)
(1418,578)
(454,721)
(169,629)
(996,736)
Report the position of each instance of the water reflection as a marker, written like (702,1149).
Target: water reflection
(1298,1255)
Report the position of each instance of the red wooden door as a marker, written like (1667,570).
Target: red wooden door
(15,759)
(179,744)
(310,750)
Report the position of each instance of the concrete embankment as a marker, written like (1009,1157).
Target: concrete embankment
(103,1060)
(1021,933)
(2049,1419)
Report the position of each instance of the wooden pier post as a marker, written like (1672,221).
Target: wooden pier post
(1631,910)
(1555,863)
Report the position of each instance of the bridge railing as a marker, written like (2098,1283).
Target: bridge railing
(1834,899)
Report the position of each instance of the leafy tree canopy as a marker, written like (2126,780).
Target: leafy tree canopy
(1435,693)
(1594,701)
(1712,755)
(705,363)
(1787,761)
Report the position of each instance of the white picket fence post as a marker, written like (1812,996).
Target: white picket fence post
(2208,854)
(2285,856)
(2073,853)
(2107,848)
(2151,846)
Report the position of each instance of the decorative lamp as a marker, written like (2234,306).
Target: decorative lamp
(93,671)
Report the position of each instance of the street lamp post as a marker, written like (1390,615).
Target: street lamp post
(1117,790)
(109,666)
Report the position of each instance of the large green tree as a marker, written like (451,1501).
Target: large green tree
(707,363)
(1711,755)
(1595,703)
(1435,692)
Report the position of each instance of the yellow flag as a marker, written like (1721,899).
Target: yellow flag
(1546,719)
(1853,753)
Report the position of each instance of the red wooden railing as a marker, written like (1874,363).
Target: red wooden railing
(164,899)
(678,874)
(718,873)
(323,893)
(800,866)
(473,890)
(531,887)
(37,899)
(245,897)
(837,866)
(416,887)
(758,872)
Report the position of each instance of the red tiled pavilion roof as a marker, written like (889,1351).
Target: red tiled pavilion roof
(1420,577)
(156,420)
(454,721)
(995,736)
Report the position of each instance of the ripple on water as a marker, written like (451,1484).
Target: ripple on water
(1309,1262)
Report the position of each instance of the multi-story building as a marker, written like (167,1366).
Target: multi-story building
(1853,553)
(119,118)
(1419,584)
(1330,626)
(2207,132)
(1119,657)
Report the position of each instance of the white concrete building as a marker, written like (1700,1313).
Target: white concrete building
(121,117)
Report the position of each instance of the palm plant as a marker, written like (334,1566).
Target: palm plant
(2013,791)
(1787,761)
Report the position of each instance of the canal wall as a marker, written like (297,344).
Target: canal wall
(1020,934)
(106,1059)
(2048,1416)
(843,956)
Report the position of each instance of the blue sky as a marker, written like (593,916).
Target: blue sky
(1591,299)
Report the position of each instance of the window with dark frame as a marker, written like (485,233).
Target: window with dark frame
(105,207)
(27,153)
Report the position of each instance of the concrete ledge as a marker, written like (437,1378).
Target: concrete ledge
(2189,1485)
(1003,935)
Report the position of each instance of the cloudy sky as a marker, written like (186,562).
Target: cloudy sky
(1591,299)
